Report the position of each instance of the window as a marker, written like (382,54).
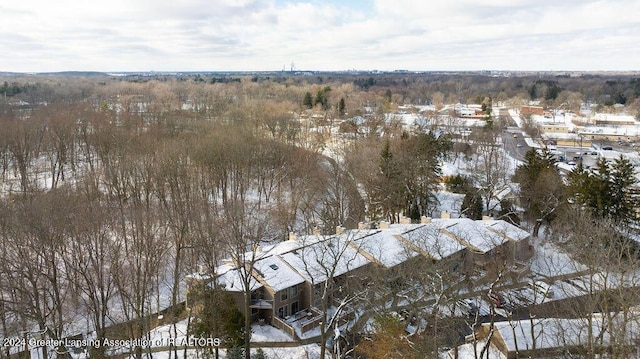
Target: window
(294,307)
(284,295)
(293,292)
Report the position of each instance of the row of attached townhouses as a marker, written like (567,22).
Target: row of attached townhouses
(287,279)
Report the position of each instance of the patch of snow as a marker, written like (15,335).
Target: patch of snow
(267,333)
(466,351)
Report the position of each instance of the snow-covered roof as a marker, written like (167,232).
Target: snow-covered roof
(314,258)
(385,247)
(607,117)
(478,236)
(505,229)
(430,239)
(407,119)
(560,136)
(232,279)
(331,257)
(277,274)
(630,130)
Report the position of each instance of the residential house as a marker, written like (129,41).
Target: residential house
(282,291)
(531,110)
(290,278)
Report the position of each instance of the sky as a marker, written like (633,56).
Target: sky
(330,35)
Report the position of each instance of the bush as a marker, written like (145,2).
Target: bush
(458,184)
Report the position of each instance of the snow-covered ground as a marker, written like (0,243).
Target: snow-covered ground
(162,336)
(467,351)
(259,333)
(267,333)
(310,351)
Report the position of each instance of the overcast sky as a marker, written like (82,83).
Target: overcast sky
(222,35)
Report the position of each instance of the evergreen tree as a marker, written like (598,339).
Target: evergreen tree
(388,95)
(624,195)
(341,107)
(321,97)
(459,184)
(217,315)
(389,191)
(608,192)
(308,100)
(542,190)
(472,205)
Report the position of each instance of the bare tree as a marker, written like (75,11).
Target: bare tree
(491,167)
(335,270)
(34,236)
(92,259)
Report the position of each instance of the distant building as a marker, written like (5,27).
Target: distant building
(527,110)
(469,111)
(605,119)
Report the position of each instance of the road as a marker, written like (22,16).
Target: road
(516,146)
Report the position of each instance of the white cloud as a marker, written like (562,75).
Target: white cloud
(42,35)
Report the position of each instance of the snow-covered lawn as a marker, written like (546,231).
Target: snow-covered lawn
(311,351)
(160,337)
(467,351)
(259,333)
(267,333)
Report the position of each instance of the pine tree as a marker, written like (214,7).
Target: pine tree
(308,100)
(608,192)
(624,196)
(217,315)
(472,205)
(542,191)
(341,107)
